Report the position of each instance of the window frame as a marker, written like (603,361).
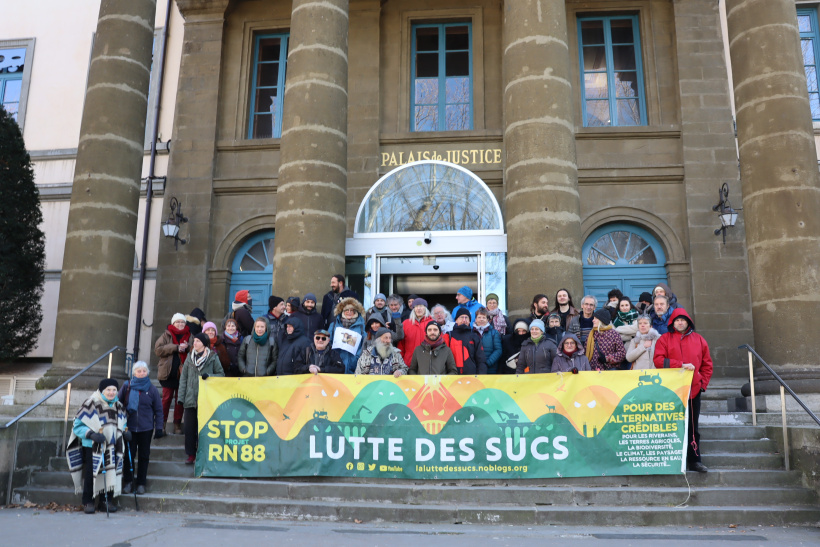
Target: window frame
(442,77)
(814,35)
(276,132)
(610,68)
(25,77)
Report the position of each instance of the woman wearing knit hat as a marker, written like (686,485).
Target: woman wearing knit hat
(98,433)
(499,321)
(604,347)
(172,349)
(511,346)
(537,352)
(144,408)
(201,363)
(216,344)
(243,312)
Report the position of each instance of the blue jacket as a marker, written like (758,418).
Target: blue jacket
(149,411)
(472,306)
(348,358)
(491,342)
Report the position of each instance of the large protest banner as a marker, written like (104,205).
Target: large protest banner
(445,427)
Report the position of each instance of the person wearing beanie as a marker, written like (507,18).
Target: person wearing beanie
(511,346)
(349,320)
(243,312)
(372,326)
(292,305)
(311,319)
(414,328)
(570,357)
(465,300)
(259,352)
(433,356)
(98,433)
(195,320)
(537,352)
(500,322)
(382,357)
(466,345)
(490,339)
(143,406)
(604,347)
(380,308)
(644,303)
(276,317)
(172,349)
(663,289)
(216,344)
(554,330)
(201,363)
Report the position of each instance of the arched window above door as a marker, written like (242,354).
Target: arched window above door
(252,270)
(255,255)
(430,196)
(622,245)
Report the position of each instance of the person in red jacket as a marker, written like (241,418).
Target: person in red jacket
(415,328)
(682,347)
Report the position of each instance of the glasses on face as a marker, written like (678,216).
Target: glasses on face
(349,310)
(320,338)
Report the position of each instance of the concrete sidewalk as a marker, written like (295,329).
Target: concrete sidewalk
(43,528)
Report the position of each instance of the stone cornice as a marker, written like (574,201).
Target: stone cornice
(199,8)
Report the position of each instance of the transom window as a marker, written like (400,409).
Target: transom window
(611,71)
(270,54)
(12,64)
(807,25)
(258,257)
(620,248)
(442,94)
(429,196)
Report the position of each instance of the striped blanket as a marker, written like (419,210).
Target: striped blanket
(98,416)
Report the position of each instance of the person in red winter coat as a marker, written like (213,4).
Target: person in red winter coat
(682,347)
(415,329)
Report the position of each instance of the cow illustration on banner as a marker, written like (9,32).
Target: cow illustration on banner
(434,427)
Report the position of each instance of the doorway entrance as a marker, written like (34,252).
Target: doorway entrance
(428,228)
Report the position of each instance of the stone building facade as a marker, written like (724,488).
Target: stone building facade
(595,134)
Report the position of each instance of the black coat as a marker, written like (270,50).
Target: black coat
(510,345)
(328,305)
(292,349)
(311,320)
(330,362)
(244,320)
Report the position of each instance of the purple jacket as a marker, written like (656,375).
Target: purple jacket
(149,411)
(609,350)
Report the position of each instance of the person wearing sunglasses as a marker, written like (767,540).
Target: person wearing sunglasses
(319,357)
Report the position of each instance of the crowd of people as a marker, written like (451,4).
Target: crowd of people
(393,337)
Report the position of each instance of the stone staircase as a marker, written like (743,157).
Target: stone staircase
(746,485)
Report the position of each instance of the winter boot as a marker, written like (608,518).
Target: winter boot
(177,428)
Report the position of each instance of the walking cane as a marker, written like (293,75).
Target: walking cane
(133,478)
(105,486)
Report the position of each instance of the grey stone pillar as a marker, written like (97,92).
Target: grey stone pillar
(95,287)
(721,302)
(781,201)
(182,275)
(312,192)
(541,175)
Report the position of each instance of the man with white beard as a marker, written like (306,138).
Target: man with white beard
(383,357)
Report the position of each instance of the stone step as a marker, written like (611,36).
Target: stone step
(510,494)
(751,460)
(714,405)
(477,512)
(739,446)
(732,431)
(763,418)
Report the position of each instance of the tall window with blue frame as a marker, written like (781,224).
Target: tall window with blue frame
(12,63)
(809,43)
(270,53)
(442,94)
(611,71)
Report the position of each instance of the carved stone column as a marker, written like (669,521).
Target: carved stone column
(541,175)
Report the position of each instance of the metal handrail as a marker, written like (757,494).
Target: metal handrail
(783,388)
(16,421)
